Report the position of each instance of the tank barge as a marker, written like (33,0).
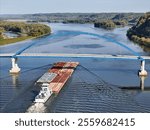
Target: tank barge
(53,80)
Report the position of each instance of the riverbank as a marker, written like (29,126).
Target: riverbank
(14,40)
(19,39)
(140,33)
(24,30)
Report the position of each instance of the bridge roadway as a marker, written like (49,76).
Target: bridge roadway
(66,55)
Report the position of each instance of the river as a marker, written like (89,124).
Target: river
(97,85)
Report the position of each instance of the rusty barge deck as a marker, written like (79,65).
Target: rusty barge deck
(58,75)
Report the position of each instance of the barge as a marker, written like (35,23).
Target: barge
(54,80)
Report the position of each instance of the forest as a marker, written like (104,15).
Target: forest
(110,24)
(75,17)
(140,33)
(24,30)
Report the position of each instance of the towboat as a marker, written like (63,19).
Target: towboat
(54,80)
(44,93)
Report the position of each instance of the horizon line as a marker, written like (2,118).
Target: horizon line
(70,13)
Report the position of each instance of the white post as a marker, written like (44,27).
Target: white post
(142,71)
(142,78)
(15,69)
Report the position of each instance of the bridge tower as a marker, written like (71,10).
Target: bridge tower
(142,71)
(15,69)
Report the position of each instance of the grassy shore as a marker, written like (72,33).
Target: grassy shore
(13,40)
(18,39)
(25,31)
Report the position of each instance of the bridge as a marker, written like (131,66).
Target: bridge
(71,55)
(16,69)
(20,54)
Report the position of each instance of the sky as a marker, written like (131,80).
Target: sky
(69,6)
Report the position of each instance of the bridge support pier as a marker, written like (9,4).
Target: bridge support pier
(142,71)
(142,79)
(15,69)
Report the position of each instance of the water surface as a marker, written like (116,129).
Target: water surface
(97,85)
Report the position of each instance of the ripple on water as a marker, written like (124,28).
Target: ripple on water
(80,95)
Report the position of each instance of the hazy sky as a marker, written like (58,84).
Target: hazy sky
(54,6)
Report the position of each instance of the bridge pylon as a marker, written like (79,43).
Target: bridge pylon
(142,71)
(15,69)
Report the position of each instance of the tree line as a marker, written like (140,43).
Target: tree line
(140,32)
(110,24)
(75,17)
(24,29)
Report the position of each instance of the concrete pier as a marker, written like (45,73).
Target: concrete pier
(142,71)
(15,69)
(142,79)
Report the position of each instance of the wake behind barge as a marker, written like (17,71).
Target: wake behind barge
(53,80)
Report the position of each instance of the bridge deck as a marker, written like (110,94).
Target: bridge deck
(6,55)
(65,55)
